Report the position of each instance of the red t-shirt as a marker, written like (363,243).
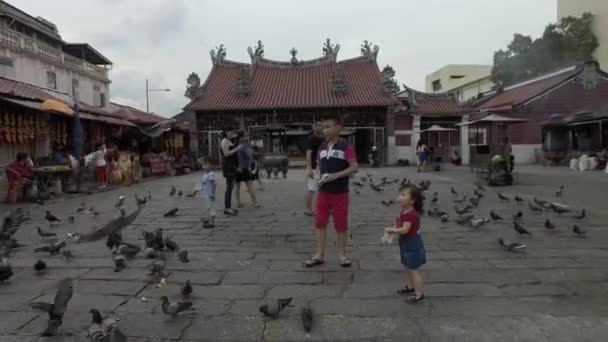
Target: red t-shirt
(413,218)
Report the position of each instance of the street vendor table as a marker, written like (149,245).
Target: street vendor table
(47,174)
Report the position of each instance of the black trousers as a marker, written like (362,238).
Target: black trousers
(230,181)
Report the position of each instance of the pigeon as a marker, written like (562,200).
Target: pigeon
(140,201)
(53,248)
(149,195)
(51,218)
(436,212)
(535,207)
(307,318)
(495,216)
(477,194)
(171,245)
(173,191)
(479,186)
(6,271)
(43,233)
(359,184)
(424,185)
(461,200)
(149,239)
(511,246)
(172,309)
(559,191)
(73,236)
(560,209)
(375,187)
(581,215)
(159,243)
(150,253)
(502,197)
(434,200)
(39,266)
(444,218)
(171,213)
(120,262)
(519,228)
(357,192)
(104,330)
(274,309)
(453,191)
(81,208)
(518,215)
(180,193)
(387,203)
(128,250)
(56,309)
(186,289)
(71,219)
(120,202)
(158,266)
(476,223)
(474,201)
(67,255)
(518,199)
(463,219)
(463,210)
(114,240)
(193,194)
(540,202)
(549,225)
(183,256)
(578,231)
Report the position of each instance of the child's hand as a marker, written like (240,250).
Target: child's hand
(389,230)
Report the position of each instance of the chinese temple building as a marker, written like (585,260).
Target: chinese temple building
(277,102)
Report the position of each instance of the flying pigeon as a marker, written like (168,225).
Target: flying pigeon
(183,256)
(56,309)
(171,213)
(53,248)
(578,231)
(172,309)
(120,202)
(180,193)
(173,191)
(453,191)
(273,309)
(186,289)
(307,318)
(519,228)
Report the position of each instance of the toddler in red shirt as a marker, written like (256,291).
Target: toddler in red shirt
(411,246)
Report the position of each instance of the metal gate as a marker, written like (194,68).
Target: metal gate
(209,145)
(363,138)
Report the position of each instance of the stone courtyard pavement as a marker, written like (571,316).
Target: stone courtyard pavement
(556,291)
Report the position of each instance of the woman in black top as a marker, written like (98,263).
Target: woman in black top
(230,167)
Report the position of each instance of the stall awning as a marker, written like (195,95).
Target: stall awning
(106,119)
(24,103)
(57,106)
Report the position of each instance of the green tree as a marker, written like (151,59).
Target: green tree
(193,83)
(563,44)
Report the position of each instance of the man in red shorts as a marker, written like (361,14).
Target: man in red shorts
(336,163)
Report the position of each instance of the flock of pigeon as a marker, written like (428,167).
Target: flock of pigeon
(156,247)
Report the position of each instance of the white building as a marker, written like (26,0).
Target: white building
(599,9)
(32,51)
(466,81)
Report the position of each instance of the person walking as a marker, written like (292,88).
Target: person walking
(230,165)
(422,152)
(337,162)
(244,174)
(101,168)
(312,153)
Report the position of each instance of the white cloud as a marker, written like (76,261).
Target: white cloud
(165,40)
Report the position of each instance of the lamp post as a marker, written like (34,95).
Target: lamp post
(148,90)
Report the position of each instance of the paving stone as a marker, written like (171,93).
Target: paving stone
(11,321)
(234,329)
(274,277)
(385,307)
(108,287)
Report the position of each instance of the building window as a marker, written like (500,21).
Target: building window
(102,99)
(51,80)
(7,68)
(437,85)
(403,140)
(456,77)
(75,91)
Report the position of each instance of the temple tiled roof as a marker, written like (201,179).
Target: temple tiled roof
(432,104)
(301,85)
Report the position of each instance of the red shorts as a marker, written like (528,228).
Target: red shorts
(101,174)
(334,204)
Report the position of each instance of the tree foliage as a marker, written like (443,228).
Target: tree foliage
(563,44)
(193,82)
(388,80)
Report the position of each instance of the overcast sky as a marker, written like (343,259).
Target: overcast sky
(165,40)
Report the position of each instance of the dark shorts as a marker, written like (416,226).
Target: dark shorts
(244,175)
(422,156)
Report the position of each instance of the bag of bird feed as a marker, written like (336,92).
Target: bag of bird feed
(574,164)
(388,239)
